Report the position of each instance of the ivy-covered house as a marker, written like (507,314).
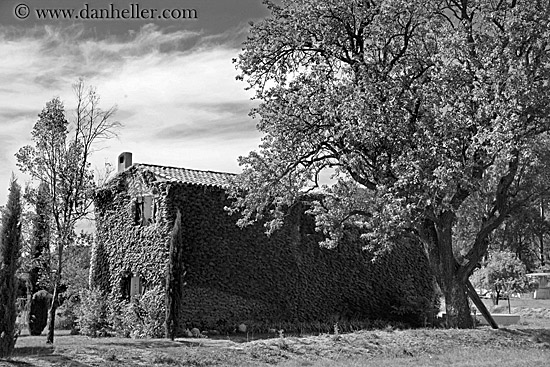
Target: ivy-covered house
(156,223)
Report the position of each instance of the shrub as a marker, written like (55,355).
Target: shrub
(143,317)
(38,313)
(93,313)
(68,313)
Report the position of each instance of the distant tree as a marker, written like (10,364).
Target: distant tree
(522,234)
(503,274)
(76,269)
(418,108)
(76,264)
(10,246)
(60,158)
(39,258)
(526,227)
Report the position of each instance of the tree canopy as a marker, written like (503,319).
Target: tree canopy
(420,109)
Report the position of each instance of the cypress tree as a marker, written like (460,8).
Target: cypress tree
(10,247)
(174,275)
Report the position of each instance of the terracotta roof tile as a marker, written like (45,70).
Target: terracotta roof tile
(187,176)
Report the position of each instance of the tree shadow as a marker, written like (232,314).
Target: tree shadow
(32,351)
(16,363)
(41,353)
(59,360)
(53,359)
(145,344)
(538,335)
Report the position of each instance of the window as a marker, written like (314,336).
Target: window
(135,287)
(144,210)
(132,285)
(147,209)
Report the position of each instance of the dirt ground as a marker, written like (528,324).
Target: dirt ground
(533,333)
(80,351)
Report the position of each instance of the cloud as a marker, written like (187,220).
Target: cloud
(175,90)
(10,114)
(51,55)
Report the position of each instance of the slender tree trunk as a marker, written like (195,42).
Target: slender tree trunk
(541,233)
(51,315)
(496,298)
(55,298)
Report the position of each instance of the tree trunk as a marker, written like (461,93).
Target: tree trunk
(496,298)
(457,307)
(57,283)
(29,304)
(438,240)
(51,315)
(541,234)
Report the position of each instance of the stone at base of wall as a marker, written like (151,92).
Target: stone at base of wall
(501,319)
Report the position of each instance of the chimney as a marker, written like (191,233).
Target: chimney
(124,161)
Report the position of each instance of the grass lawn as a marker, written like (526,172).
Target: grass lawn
(525,344)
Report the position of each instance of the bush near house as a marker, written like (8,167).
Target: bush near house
(142,317)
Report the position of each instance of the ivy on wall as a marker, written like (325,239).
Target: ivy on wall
(238,275)
(122,247)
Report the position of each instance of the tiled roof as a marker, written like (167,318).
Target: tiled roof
(187,176)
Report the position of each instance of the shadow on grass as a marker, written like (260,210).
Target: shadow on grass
(16,363)
(139,344)
(45,353)
(32,351)
(54,359)
(59,360)
(537,335)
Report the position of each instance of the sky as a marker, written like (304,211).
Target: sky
(172,80)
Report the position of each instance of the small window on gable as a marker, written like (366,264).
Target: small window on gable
(145,210)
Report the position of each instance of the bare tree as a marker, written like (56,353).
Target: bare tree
(61,159)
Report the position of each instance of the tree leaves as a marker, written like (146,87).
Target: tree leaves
(417,102)
(420,110)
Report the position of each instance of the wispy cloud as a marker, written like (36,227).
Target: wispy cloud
(175,90)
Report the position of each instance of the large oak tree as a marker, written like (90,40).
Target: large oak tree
(420,108)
